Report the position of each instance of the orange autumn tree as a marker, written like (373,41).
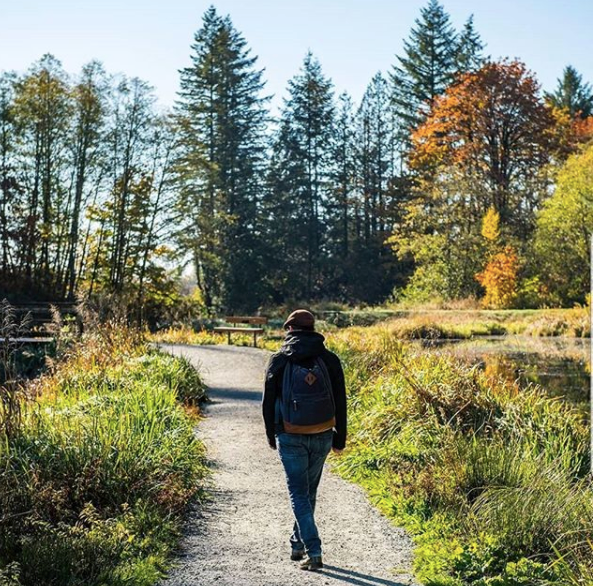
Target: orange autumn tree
(492,134)
(499,277)
(487,143)
(583,129)
(570,132)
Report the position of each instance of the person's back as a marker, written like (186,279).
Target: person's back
(304,436)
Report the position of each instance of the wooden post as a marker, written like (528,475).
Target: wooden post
(228,337)
(254,339)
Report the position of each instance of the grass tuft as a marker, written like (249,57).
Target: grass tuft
(93,486)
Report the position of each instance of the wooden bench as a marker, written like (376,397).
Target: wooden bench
(39,317)
(243,319)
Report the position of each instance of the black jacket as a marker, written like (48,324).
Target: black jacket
(302,347)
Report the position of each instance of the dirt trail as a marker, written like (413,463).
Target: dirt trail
(241,537)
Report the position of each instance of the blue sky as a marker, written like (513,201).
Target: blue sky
(353,39)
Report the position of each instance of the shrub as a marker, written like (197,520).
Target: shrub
(93,485)
(499,279)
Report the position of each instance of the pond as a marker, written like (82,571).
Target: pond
(559,365)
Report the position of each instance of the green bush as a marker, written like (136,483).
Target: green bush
(93,486)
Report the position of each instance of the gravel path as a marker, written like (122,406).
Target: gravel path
(240,538)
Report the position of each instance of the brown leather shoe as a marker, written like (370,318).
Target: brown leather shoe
(312,563)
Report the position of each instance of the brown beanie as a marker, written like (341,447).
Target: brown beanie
(300,319)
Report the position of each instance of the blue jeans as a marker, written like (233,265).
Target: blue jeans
(303,456)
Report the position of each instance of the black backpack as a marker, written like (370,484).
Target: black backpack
(307,403)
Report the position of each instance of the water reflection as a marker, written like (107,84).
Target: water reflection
(559,365)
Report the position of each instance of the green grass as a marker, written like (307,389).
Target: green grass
(406,323)
(416,324)
(490,480)
(94,482)
(186,335)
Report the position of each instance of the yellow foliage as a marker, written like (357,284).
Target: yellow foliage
(499,278)
(490,225)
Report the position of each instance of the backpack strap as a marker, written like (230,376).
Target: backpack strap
(320,362)
(286,374)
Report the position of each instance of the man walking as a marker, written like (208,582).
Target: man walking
(304,409)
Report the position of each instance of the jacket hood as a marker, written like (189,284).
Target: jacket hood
(300,344)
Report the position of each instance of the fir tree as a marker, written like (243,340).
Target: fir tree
(221,120)
(374,194)
(299,176)
(374,155)
(427,67)
(469,48)
(343,176)
(573,94)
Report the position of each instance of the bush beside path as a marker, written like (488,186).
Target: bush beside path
(241,536)
(98,465)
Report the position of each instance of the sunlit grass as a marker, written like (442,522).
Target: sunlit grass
(93,485)
(489,478)
(187,335)
(433,324)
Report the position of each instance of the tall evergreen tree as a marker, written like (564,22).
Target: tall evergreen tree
(299,180)
(375,180)
(427,67)
(374,150)
(340,206)
(469,55)
(573,94)
(221,123)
